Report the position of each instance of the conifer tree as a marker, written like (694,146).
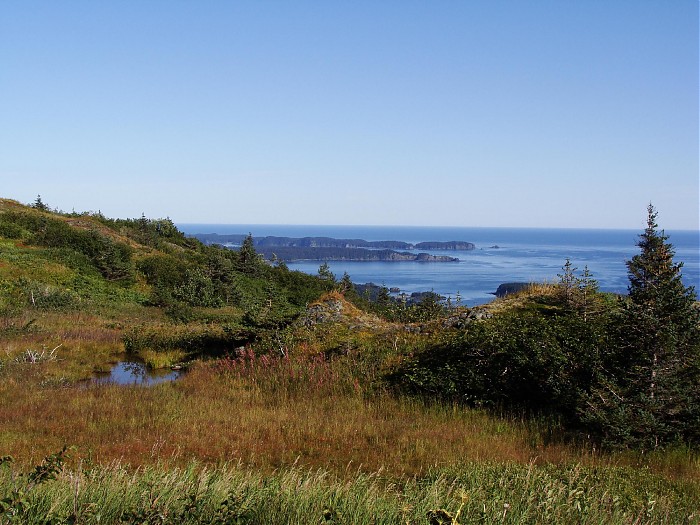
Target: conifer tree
(325,272)
(588,290)
(247,255)
(346,284)
(568,282)
(39,204)
(649,391)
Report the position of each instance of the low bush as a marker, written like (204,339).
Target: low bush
(526,360)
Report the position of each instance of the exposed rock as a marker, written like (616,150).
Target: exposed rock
(464,317)
(329,310)
(510,288)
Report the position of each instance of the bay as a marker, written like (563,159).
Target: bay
(501,255)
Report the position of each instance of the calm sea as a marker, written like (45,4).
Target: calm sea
(501,255)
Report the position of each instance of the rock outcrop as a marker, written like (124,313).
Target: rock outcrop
(510,288)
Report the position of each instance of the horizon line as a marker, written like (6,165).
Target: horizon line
(598,228)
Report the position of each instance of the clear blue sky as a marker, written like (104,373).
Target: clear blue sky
(465,113)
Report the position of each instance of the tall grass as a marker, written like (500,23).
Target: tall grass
(480,492)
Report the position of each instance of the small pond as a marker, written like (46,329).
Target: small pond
(136,373)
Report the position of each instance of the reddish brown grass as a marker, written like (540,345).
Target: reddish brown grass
(266,413)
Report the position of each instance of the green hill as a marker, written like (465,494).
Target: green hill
(148,271)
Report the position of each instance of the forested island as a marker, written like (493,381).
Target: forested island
(347,254)
(330,249)
(310,399)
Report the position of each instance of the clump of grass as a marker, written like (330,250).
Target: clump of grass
(163,359)
(36,356)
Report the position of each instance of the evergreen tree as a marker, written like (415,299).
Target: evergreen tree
(325,272)
(588,290)
(568,283)
(39,204)
(247,256)
(346,284)
(649,391)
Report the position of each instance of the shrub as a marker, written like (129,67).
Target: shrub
(525,360)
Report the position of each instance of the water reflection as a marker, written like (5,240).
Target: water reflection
(135,373)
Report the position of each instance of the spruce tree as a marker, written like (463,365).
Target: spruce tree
(568,283)
(248,258)
(39,204)
(325,272)
(649,391)
(588,293)
(346,284)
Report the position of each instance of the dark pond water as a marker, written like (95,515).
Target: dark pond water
(136,373)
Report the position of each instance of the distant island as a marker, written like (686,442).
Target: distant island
(330,249)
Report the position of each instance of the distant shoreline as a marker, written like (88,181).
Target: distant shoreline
(290,249)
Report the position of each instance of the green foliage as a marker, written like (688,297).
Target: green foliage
(47,297)
(16,505)
(628,373)
(429,306)
(299,288)
(156,233)
(40,205)
(346,286)
(198,289)
(248,259)
(181,274)
(648,392)
(112,259)
(578,293)
(272,310)
(524,360)
(10,229)
(325,273)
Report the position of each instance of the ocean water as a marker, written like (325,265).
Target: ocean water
(501,255)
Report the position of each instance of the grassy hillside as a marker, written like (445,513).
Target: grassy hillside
(302,404)
(139,285)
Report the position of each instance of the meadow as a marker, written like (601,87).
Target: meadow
(287,412)
(302,439)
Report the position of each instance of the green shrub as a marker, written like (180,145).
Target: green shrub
(523,360)
(11,230)
(45,296)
